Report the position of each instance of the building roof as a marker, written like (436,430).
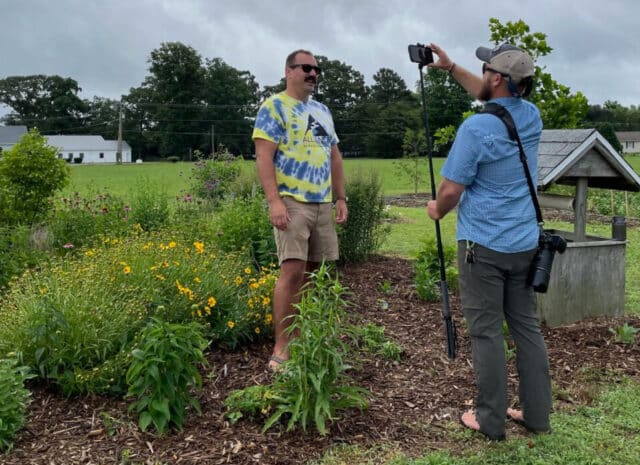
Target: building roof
(566,155)
(76,143)
(628,136)
(9,135)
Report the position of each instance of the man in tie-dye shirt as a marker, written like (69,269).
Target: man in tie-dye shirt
(300,169)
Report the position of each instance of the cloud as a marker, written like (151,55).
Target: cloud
(105,45)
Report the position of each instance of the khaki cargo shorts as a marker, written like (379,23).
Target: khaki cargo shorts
(311,233)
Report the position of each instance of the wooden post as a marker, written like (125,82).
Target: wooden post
(580,226)
(626,203)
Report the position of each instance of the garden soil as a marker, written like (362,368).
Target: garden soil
(414,406)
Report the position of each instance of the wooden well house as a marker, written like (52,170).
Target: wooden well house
(589,278)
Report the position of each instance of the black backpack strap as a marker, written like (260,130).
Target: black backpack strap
(501,112)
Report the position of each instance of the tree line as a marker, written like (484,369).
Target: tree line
(187,102)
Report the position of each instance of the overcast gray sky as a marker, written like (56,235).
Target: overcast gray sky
(105,45)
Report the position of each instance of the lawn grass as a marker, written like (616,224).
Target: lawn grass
(174,177)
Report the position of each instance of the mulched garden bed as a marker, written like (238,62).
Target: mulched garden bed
(412,404)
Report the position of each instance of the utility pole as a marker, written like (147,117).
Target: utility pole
(119,146)
(213,145)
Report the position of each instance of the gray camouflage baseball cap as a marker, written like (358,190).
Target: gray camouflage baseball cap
(508,59)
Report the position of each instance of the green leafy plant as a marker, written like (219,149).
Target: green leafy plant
(625,334)
(371,338)
(251,402)
(364,230)
(15,398)
(163,370)
(386,287)
(427,269)
(244,225)
(149,206)
(18,251)
(313,384)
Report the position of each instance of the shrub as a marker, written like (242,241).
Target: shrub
(427,268)
(313,385)
(163,369)
(244,225)
(364,230)
(30,173)
(212,180)
(14,402)
(173,159)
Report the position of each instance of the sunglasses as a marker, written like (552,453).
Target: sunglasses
(307,68)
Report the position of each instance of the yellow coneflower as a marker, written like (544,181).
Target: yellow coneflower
(230,324)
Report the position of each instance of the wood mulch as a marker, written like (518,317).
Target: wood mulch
(413,402)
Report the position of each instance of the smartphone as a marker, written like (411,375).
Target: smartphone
(419,53)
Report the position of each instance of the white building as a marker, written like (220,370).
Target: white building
(10,135)
(88,149)
(630,141)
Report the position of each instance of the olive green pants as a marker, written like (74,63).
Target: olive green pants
(493,288)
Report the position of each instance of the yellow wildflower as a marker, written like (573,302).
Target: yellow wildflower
(172,245)
(197,280)
(268,319)
(127,269)
(200,313)
(238,280)
(207,310)
(230,324)
(211,301)
(247,270)
(90,253)
(265,301)
(257,330)
(254,285)
(199,246)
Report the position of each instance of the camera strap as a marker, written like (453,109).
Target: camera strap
(502,113)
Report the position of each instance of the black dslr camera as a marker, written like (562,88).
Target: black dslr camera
(422,54)
(540,271)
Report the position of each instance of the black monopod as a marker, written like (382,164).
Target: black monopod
(422,55)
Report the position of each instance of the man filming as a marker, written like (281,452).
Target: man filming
(497,235)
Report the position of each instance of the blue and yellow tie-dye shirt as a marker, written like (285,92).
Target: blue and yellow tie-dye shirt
(304,133)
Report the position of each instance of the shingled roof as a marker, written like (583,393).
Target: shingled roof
(566,155)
